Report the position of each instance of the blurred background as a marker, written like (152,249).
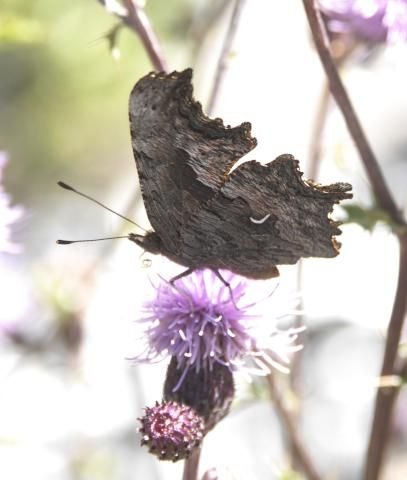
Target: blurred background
(69,396)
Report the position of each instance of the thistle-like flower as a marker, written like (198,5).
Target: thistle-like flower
(371,21)
(201,323)
(171,430)
(209,330)
(8,214)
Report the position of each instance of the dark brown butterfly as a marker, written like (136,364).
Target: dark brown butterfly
(248,220)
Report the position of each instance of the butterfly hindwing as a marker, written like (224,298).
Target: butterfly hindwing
(263,216)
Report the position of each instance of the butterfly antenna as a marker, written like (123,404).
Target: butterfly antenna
(68,242)
(68,187)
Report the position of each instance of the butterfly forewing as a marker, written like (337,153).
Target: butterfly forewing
(182,156)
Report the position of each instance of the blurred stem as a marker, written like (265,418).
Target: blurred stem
(224,55)
(314,161)
(200,29)
(191,465)
(132,14)
(340,51)
(386,396)
(377,181)
(290,425)
(295,366)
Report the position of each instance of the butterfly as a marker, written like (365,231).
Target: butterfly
(203,215)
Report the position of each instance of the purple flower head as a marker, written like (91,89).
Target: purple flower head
(198,322)
(171,430)
(8,214)
(372,21)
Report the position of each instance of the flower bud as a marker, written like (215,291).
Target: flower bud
(171,430)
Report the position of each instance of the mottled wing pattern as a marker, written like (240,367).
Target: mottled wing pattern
(263,216)
(182,156)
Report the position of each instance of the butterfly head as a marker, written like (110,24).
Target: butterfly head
(150,242)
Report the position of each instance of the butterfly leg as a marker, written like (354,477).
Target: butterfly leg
(227,285)
(185,273)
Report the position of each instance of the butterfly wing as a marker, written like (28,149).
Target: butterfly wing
(182,156)
(263,216)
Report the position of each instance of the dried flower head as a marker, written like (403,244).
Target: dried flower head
(371,21)
(199,323)
(8,214)
(171,430)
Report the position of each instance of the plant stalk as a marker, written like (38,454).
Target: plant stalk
(386,396)
(300,453)
(132,14)
(224,55)
(191,465)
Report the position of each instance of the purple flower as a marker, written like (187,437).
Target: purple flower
(8,214)
(200,324)
(372,21)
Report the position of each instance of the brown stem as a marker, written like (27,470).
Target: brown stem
(386,396)
(191,465)
(322,44)
(223,58)
(134,16)
(290,425)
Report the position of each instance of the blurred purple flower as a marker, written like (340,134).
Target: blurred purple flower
(372,21)
(8,214)
(198,323)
